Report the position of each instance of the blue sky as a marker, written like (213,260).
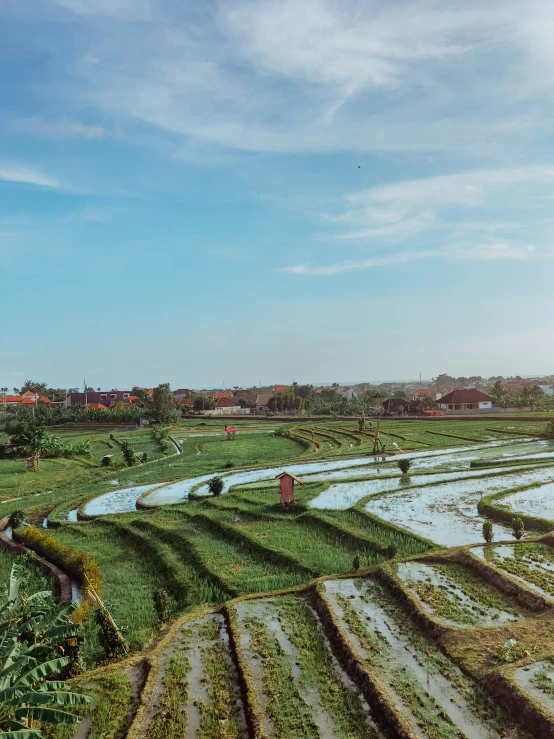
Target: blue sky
(231,192)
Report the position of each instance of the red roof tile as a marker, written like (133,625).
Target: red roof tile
(468,395)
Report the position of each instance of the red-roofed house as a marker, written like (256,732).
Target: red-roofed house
(187,403)
(10,399)
(97,406)
(226,403)
(280,388)
(465,400)
(221,394)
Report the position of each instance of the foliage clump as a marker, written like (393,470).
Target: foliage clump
(129,454)
(160,600)
(215,486)
(488,533)
(35,632)
(404,465)
(356,563)
(108,635)
(17,518)
(518,527)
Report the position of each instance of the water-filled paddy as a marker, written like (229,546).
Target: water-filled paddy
(453,594)
(428,689)
(538,681)
(123,500)
(531,563)
(447,513)
(538,502)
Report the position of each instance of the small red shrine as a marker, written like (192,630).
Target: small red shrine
(286,487)
(231,432)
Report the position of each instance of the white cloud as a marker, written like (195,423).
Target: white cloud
(407,208)
(324,75)
(63,129)
(24,175)
(482,252)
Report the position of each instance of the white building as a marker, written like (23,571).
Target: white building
(547,389)
(468,399)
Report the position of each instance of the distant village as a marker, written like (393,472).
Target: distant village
(442,395)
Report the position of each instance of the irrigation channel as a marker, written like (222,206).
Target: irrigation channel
(438,500)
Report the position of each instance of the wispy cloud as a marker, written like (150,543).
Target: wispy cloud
(62,129)
(483,252)
(328,75)
(27,176)
(407,208)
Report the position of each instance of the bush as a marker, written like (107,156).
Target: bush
(144,458)
(81,565)
(107,460)
(518,527)
(391,551)
(404,465)
(356,563)
(488,533)
(17,518)
(160,603)
(128,453)
(215,486)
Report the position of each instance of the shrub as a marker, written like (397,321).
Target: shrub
(215,486)
(518,527)
(488,533)
(81,565)
(391,551)
(128,453)
(107,634)
(404,465)
(17,518)
(107,460)
(160,603)
(356,563)
(144,458)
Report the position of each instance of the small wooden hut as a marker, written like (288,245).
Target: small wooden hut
(286,487)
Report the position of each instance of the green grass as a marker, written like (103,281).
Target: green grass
(55,474)
(319,550)
(111,700)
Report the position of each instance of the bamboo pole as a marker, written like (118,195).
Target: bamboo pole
(91,592)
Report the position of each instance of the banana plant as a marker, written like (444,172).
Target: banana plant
(34,634)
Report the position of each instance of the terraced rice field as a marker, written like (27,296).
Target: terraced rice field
(429,692)
(538,681)
(398,638)
(196,693)
(530,563)
(455,595)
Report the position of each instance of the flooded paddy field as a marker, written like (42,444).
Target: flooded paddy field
(303,691)
(383,471)
(537,502)
(196,692)
(538,680)
(428,689)
(455,595)
(447,513)
(532,563)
